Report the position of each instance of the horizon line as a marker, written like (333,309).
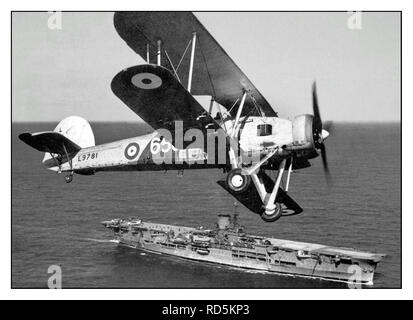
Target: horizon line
(143,122)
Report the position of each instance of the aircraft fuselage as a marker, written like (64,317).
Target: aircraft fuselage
(148,152)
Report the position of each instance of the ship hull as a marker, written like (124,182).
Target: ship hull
(275,256)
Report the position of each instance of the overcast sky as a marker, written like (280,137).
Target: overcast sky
(58,73)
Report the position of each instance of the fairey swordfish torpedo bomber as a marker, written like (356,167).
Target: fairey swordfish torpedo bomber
(205,113)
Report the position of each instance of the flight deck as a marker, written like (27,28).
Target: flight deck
(229,244)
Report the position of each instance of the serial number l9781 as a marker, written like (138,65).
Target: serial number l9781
(87,156)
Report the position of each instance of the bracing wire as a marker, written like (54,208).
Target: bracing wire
(183,55)
(233,105)
(170,62)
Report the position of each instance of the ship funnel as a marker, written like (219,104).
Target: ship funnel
(224,221)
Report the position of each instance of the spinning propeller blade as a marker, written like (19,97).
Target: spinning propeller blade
(318,125)
(320,133)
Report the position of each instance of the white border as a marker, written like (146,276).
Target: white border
(278,294)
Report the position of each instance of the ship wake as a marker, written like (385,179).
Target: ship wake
(101,240)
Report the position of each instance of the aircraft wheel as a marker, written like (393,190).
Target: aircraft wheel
(272,215)
(69,178)
(237,181)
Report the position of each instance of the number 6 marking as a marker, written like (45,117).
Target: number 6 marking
(155,145)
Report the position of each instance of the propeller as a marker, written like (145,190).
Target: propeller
(320,134)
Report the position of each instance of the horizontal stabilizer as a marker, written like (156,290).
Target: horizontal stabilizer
(251,199)
(50,141)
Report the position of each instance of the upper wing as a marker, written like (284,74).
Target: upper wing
(154,94)
(214,71)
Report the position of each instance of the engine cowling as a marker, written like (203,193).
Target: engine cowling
(303,135)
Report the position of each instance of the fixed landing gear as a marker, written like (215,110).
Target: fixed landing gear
(272,215)
(69,178)
(237,180)
(272,209)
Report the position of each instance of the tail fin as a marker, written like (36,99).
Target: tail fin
(70,135)
(78,130)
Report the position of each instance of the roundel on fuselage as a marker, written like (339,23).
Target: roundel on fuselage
(146,80)
(131,151)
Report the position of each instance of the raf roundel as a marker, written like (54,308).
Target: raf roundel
(147,81)
(132,151)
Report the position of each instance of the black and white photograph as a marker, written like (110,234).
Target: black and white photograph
(206,149)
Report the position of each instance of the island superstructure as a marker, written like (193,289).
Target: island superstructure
(229,244)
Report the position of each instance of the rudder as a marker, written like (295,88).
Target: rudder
(77,130)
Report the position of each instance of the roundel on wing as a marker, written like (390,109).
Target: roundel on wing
(132,151)
(146,80)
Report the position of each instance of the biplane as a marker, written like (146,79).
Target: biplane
(237,130)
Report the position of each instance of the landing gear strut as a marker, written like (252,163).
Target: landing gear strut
(272,209)
(69,177)
(239,179)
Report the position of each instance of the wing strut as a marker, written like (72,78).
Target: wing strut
(234,132)
(158,54)
(147,53)
(191,66)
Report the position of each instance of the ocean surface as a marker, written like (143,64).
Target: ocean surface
(54,223)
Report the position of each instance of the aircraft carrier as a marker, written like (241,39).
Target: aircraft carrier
(229,244)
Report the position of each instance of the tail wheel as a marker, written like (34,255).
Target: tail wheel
(237,180)
(69,178)
(273,215)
